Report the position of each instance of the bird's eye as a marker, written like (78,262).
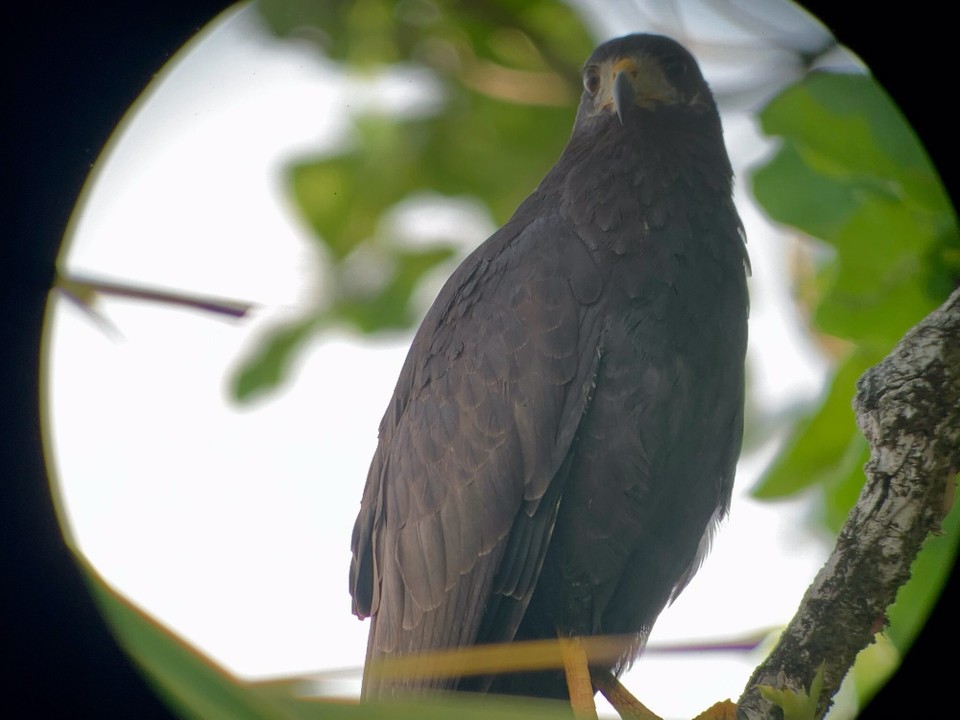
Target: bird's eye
(675,67)
(591,80)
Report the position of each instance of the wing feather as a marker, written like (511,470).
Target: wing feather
(463,489)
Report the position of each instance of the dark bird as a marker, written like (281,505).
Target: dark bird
(562,439)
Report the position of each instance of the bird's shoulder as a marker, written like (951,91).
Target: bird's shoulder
(528,283)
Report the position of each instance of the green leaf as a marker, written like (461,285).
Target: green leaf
(796,705)
(875,664)
(851,172)
(882,251)
(928,575)
(846,127)
(841,489)
(814,453)
(795,194)
(188,681)
(343,198)
(269,364)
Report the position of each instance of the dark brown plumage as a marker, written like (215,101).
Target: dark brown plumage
(563,435)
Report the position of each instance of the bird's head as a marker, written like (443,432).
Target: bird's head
(628,76)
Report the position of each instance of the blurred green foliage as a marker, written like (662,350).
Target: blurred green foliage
(509,77)
(851,173)
(870,192)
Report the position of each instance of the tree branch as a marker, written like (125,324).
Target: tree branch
(908,408)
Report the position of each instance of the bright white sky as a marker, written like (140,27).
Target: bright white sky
(232,524)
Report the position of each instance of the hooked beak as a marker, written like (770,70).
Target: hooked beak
(622,93)
(640,83)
